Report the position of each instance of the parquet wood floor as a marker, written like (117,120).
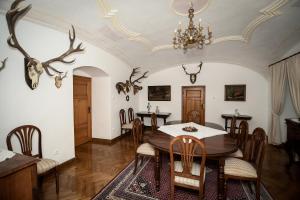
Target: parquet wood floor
(97,164)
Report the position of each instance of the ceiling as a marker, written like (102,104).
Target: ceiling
(251,33)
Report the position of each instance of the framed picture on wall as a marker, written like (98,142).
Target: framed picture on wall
(159,93)
(235,93)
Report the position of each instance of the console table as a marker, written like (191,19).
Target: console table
(230,116)
(163,115)
(18,178)
(293,139)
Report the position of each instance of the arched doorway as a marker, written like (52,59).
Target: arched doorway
(90,102)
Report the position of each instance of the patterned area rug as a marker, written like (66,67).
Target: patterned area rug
(141,186)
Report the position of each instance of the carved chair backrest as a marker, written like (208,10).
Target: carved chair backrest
(137,132)
(232,127)
(130,115)
(187,146)
(194,116)
(255,149)
(25,136)
(242,134)
(122,117)
(153,122)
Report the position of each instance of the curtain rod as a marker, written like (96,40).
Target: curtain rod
(284,59)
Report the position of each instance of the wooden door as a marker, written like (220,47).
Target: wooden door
(193,99)
(82,109)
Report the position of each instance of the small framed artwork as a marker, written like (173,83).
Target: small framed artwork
(159,93)
(235,93)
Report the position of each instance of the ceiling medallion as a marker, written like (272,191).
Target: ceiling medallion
(192,37)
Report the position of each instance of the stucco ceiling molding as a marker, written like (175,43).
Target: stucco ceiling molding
(131,35)
(197,10)
(266,13)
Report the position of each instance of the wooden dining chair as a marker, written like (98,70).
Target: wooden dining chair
(141,149)
(250,167)
(187,172)
(232,129)
(242,138)
(25,135)
(130,115)
(153,122)
(194,116)
(126,127)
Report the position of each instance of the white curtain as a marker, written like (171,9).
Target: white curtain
(279,75)
(293,73)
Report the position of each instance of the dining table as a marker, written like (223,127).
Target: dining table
(217,148)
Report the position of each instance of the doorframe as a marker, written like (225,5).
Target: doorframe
(193,86)
(90,108)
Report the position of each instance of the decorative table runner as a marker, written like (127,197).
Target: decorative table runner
(202,132)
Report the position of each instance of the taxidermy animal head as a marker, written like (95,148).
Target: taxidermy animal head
(33,67)
(193,76)
(3,64)
(125,87)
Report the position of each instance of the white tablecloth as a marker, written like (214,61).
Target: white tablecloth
(5,154)
(203,131)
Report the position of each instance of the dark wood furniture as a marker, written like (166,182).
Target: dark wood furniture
(250,167)
(230,116)
(163,115)
(242,138)
(25,135)
(193,99)
(153,122)
(216,148)
(208,124)
(141,149)
(130,115)
(18,178)
(292,145)
(186,168)
(126,127)
(194,116)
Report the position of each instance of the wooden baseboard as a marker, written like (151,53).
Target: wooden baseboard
(107,141)
(66,163)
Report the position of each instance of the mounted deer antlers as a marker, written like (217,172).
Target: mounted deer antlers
(3,64)
(193,76)
(33,67)
(125,87)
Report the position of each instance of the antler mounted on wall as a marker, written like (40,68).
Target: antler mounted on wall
(125,87)
(3,64)
(33,67)
(193,76)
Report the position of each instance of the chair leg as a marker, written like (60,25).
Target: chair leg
(172,190)
(40,184)
(135,163)
(57,180)
(225,188)
(257,190)
(142,160)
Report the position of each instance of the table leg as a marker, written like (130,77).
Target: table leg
(157,170)
(221,179)
(165,120)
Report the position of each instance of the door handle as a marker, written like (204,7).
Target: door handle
(89,109)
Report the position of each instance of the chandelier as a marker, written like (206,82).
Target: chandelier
(192,37)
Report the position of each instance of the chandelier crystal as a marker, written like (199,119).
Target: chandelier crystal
(193,36)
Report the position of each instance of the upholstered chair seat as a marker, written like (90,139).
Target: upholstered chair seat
(237,154)
(187,181)
(127,126)
(45,165)
(238,167)
(146,149)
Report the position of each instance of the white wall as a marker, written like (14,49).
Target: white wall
(47,107)
(213,76)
